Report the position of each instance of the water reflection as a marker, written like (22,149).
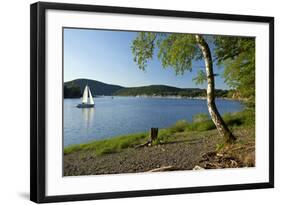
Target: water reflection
(88,116)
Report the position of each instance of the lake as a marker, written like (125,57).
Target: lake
(113,116)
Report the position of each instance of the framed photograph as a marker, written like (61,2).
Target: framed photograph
(129,102)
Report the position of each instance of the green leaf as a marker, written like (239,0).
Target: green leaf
(200,78)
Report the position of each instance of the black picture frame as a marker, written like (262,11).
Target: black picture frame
(38,101)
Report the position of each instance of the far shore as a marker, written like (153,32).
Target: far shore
(165,97)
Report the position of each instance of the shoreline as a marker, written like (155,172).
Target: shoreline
(186,151)
(182,146)
(201,125)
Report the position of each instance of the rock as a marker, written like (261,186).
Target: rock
(198,168)
(219,155)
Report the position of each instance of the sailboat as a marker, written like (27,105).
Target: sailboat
(87,99)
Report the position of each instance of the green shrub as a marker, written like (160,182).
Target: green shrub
(244,118)
(179,126)
(201,126)
(201,117)
(207,125)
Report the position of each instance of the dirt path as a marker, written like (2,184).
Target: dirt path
(182,154)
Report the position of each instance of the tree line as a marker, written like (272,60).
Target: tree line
(75,91)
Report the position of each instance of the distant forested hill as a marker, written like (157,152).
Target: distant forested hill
(163,90)
(74,89)
(97,88)
(148,90)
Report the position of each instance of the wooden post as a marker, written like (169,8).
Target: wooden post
(153,135)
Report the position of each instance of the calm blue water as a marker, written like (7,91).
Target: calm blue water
(125,115)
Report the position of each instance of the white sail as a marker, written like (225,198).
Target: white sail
(91,100)
(85,95)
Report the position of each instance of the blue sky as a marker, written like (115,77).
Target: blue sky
(106,56)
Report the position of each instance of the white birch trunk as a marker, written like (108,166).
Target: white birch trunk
(215,115)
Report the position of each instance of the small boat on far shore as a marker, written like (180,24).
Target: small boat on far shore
(87,99)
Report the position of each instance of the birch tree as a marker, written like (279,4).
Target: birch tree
(179,51)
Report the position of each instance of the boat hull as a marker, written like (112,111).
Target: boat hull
(85,105)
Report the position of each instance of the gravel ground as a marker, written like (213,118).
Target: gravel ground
(183,154)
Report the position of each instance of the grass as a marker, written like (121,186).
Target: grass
(108,146)
(236,119)
(201,122)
